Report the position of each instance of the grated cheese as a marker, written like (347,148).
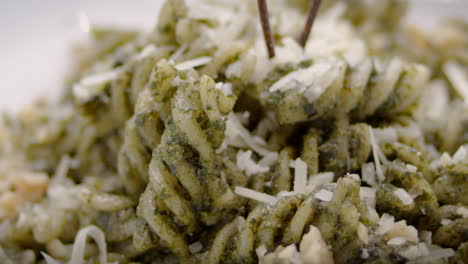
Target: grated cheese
(261,251)
(388,134)
(445,222)
(368,173)
(195,247)
(238,136)
(92,85)
(423,250)
(147,51)
(269,159)
(324,195)
(368,196)
(411,253)
(426,236)
(234,69)
(313,248)
(436,101)
(245,163)
(396,241)
(178,53)
(375,150)
(460,155)
(365,253)
(321,178)
(385,224)
(311,81)
(225,88)
(289,254)
(457,78)
(401,229)
(300,176)
(186,65)
(445,159)
(254,195)
(462,211)
(403,196)
(411,168)
(363,233)
(49,259)
(285,194)
(176,81)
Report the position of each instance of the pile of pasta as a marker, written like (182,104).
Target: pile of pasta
(187,144)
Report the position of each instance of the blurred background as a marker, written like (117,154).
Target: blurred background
(36,36)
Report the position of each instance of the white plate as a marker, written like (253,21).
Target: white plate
(36,36)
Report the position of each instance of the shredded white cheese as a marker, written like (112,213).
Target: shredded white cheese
(445,159)
(245,163)
(460,155)
(285,194)
(269,159)
(404,196)
(324,195)
(410,253)
(178,53)
(462,211)
(401,229)
(261,251)
(363,233)
(426,236)
(435,101)
(368,195)
(49,259)
(254,195)
(193,63)
(445,222)
(238,136)
(147,51)
(396,241)
(225,88)
(195,247)
(311,81)
(313,248)
(365,253)
(458,78)
(321,178)
(289,254)
(412,168)
(423,250)
(375,150)
(92,85)
(385,224)
(388,134)
(368,173)
(300,176)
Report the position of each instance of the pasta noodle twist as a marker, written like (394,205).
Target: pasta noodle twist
(327,88)
(143,130)
(183,166)
(425,205)
(287,220)
(344,148)
(109,98)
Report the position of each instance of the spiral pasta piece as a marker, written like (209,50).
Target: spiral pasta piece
(143,130)
(345,149)
(183,167)
(287,220)
(330,87)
